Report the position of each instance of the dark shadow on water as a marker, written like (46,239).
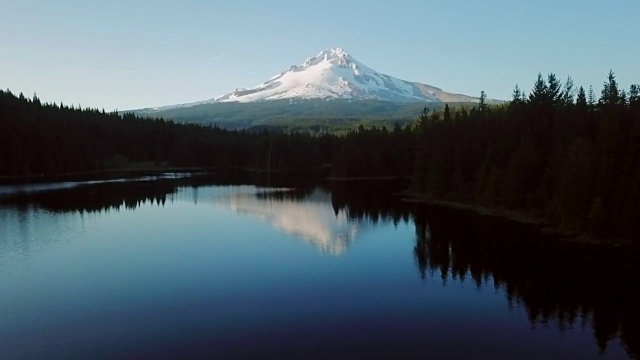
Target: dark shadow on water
(565,284)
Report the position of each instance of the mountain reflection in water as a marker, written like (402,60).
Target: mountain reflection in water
(307,215)
(568,286)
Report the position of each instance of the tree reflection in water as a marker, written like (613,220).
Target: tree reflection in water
(555,282)
(564,284)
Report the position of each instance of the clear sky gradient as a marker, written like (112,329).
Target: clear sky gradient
(133,54)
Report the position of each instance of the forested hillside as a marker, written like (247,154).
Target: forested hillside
(559,154)
(47,139)
(39,139)
(314,116)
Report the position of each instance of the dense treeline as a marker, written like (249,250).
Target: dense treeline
(374,152)
(46,139)
(559,154)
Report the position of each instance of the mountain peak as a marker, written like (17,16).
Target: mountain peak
(334,52)
(334,74)
(336,56)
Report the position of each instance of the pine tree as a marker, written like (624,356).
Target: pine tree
(611,95)
(423,119)
(447,114)
(592,97)
(482,105)
(516,96)
(581,100)
(36,100)
(634,94)
(539,94)
(569,92)
(554,89)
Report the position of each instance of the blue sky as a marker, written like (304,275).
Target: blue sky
(132,54)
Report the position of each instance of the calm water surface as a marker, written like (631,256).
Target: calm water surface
(164,270)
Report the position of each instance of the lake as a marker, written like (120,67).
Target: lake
(207,267)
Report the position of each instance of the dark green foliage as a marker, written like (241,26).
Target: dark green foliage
(581,100)
(540,92)
(634,94)
(517,96)
(611,95)
(40,140)
(569,92)
(554,89)
(374,152)
(45,139)
(591,100)
(577,165)
(482,105)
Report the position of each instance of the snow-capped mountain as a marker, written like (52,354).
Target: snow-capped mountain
(334,74)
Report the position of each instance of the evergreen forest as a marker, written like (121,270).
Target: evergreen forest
(560,154)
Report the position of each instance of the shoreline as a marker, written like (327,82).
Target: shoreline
(112,173)
(100,174)
(360,178)
(108,174)
(546,228)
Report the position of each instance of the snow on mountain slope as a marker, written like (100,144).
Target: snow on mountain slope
(334,74)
